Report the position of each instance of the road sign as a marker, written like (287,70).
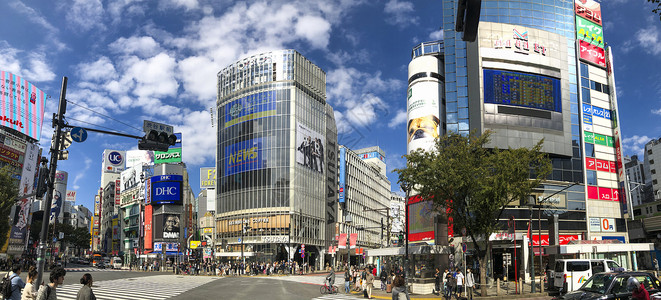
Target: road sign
(239,240)
(302,246)
(78,134)
(149,125)
(464,247)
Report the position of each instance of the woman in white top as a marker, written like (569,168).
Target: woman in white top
(29,292)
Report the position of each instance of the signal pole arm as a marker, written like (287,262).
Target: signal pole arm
(105,131)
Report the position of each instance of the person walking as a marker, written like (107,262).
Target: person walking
(85,292)
(347,280)
(369,285)
(437,282)
(445,279)
(470,284)
(29,291)
(17,283)
(48,291)
(383,277)
(460,283)
(449,286)
(399,287)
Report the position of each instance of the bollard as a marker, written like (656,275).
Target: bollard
(520,283)
(497,286)
(541,286)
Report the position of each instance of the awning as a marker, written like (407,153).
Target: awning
(599,248)
(413,249)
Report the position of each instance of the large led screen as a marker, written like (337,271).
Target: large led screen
(166,189)
(250,107)
(421,219)
(244,156)
(522,89)
(22,105)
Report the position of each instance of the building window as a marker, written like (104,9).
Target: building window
(651,161)
(636,212)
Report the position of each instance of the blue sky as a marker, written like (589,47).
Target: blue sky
(158,60)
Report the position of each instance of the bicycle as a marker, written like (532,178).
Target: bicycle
(326,289)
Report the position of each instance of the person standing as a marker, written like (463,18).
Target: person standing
(369,282)
(48,291)
(384,278)
(656,265)
(29,291)
(445,279)
(460,283)
(437,281)
(399,287)
(347,280)
(470,284)
(449,286)
(85,292)
(17,283)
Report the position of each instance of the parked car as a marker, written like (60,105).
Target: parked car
(116,262)
(570,274)
(612,285)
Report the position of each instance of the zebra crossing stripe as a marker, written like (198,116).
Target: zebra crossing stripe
(148,288)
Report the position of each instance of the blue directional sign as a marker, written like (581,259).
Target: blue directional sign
(78,134)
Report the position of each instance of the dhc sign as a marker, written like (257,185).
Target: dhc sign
(166,189)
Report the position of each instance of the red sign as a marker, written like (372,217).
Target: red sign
(117,199)
(352,240)
(605,193)
(590,163)
(593,193)
(148,227)
(342,241)
(564,239)
(592,53)
(588,9)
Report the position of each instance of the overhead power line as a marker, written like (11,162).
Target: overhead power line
(98,113)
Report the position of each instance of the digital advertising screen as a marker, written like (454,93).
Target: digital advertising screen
(250,107)
(244,156)
(166,189)
(522,89)
(421,219)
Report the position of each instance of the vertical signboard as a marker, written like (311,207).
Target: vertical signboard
(22,105)
(588,9)
(422,115)
(139,157)
(59,192)
(30,168)
(343,163)
(592,54)
(118,184)
(148,227)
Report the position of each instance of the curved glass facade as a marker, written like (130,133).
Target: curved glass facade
(276,139)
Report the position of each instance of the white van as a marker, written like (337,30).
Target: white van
(570,274)
(116,262)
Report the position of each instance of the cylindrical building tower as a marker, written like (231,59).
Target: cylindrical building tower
(276,160)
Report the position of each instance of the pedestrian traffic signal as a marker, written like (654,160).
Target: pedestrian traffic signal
(401,239)
(157,141)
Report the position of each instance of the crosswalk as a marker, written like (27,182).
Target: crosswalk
(336,296)
(91,270)
(147,288)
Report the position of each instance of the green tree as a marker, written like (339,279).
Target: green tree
(472,184)
(78,238)
(8,194)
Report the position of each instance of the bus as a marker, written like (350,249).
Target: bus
(98,257)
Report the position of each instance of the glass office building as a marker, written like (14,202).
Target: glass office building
(276,159)
(538,69)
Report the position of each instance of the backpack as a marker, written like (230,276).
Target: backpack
(7,289)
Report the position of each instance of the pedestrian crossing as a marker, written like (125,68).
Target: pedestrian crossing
(336,296)
(91,270)
(138,288)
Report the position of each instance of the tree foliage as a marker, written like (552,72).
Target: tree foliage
(656,10)
(472,183)
(8,194)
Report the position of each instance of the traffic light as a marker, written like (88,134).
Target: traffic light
(401,239)
(468,18)
(157,141)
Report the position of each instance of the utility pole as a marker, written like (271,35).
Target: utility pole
(55,153)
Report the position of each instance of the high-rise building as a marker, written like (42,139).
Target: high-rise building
(640,187)
(653,166)
(276,160)
(365,197)
(537,70)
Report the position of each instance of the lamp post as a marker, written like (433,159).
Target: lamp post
(243,258)
(406,189)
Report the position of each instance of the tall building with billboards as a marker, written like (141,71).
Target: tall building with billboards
(537,70)
(276,160)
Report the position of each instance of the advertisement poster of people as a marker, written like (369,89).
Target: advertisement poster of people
(171,226)
(20,223)
(309,148)
(59,192)
(423,111)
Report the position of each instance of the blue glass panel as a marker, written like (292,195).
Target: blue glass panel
(463,113)
(573,98)
(490,4)
(575,130)
(502,4)
(462,81)
(463,126)
(453,127)
(573,107)
(526,21)
(451,106)
(572,79)
(463,102)
(585,95)
(450,77)
(451,96)
(574,120)
(450,86)
(461,61)
(589,150)
(462,92)
(452,117)
(526,5)
(585,82)
(461,71)
(591,176)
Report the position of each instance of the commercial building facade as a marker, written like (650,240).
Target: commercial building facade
(537,70)
(276,160)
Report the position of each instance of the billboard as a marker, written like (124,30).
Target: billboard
(244,156)
(173,155)
(252,107)
(211,200)
(522,89)
(166,189)
(130,177)
(588,9)
(422,107)
(148,227)
(373,154)
(589,32)
(171,226)
(97,205)
(421,219)
(20,222)
(208,178)
(30,169)
(592,54)
(22,105)
(310,148)
(343,175)
(59,192)
(113,161)
(71,196)
(139,157)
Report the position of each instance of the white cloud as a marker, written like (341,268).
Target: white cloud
(187,4)
(33,15)
(657,111)
(82,173)
(635,144)
(198,137)
(195,82)
(343,126)
(436,35)
(400,118)
(366,111)
(122,10)
(37,68)
(144,46)
(650,39)
(154,77)
(401,12)
(85,15)
(100,70)
(315,29)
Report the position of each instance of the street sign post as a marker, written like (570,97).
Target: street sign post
(78,134)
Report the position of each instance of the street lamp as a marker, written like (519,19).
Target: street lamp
(243,258)
(407,189)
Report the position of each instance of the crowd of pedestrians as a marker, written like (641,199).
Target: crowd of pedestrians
(452,283)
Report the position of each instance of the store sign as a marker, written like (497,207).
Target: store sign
(587,122)
(208,178)
(589,32)
(588,9)
(520,43)
(602,224)
(592,54)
